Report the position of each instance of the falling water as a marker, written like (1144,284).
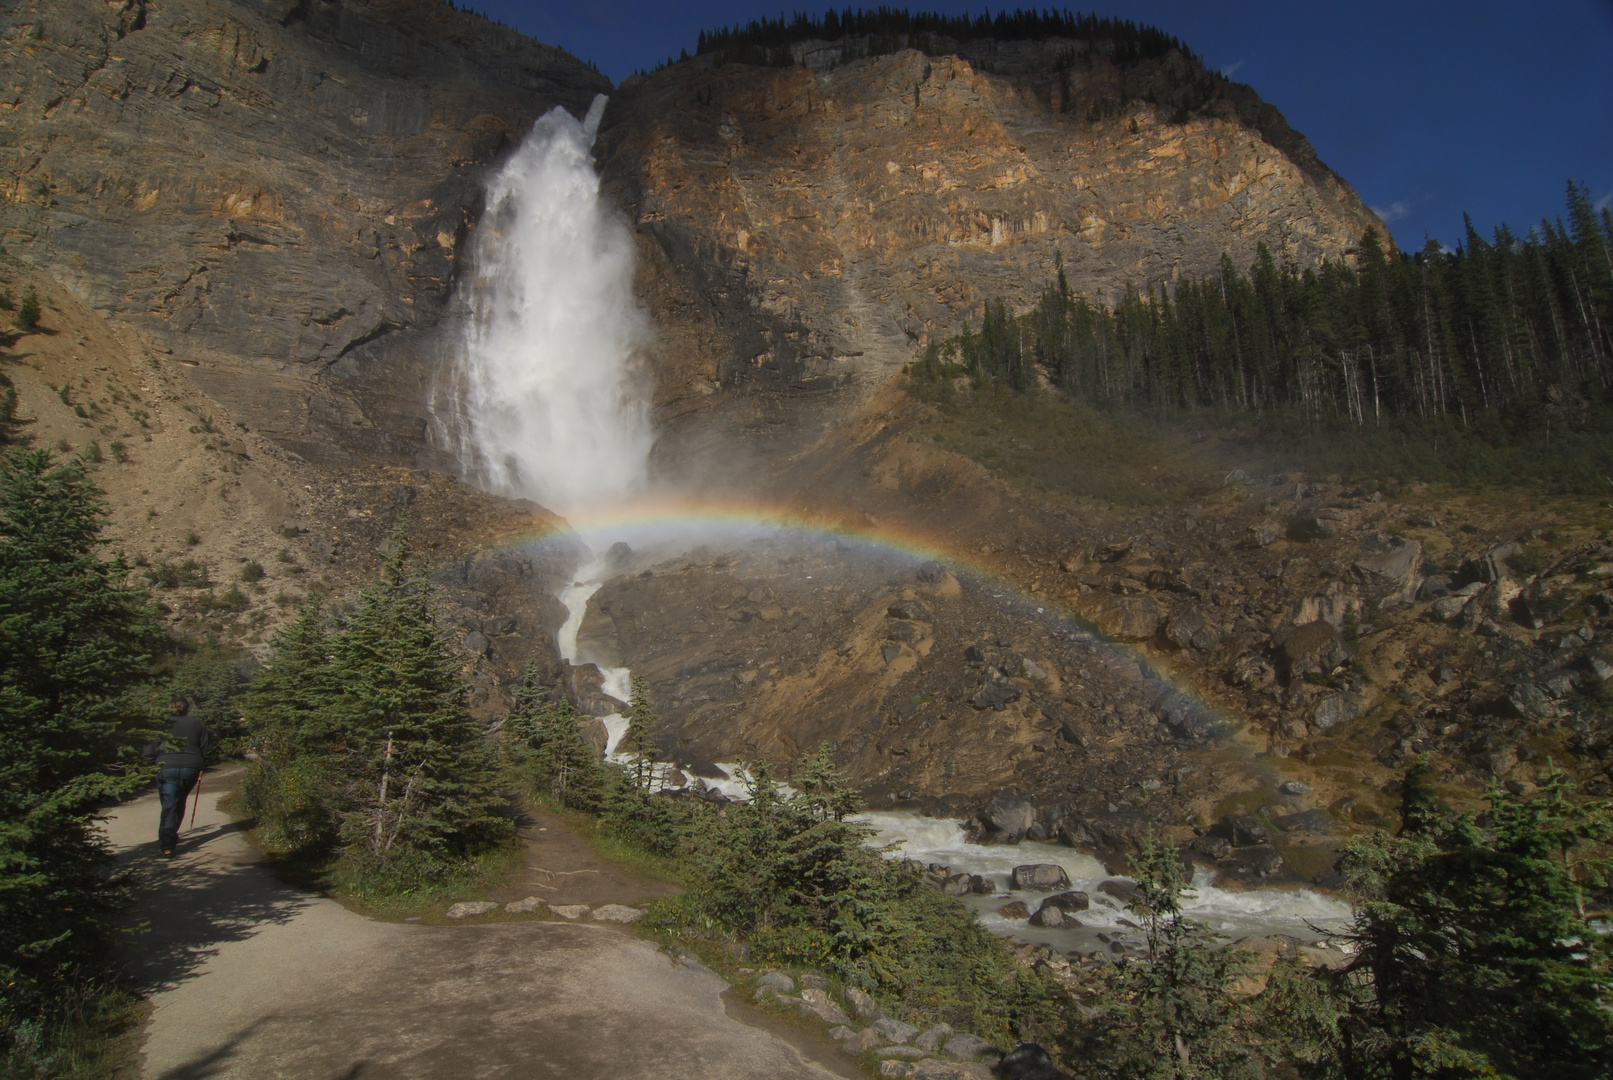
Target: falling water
(545,401)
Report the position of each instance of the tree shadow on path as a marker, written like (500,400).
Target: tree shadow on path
(214,892)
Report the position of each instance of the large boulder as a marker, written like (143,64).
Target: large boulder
(1335,709)
(1039,877)
(1189,629)
(1392,574)
(1007,817)
(1131,618)
(1242,830)
(1314,646)
(1492,565)
(909,609)
(818,1004)
(996,695)
(1186,717)
(967,1047)
(1252,863)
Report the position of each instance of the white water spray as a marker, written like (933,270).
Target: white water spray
(546,401)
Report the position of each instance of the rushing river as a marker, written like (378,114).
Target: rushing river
(1301,913)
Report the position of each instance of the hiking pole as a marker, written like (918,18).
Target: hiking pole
(198,801)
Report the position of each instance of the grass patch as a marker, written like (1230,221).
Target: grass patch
(1061,447)
(94,1035)
(615,847)
(407,890)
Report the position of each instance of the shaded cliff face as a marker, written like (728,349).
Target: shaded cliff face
(803,226)
(276,190)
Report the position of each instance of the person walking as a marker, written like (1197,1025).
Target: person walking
(178,770)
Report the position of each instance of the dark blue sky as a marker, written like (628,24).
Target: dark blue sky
(1426,108)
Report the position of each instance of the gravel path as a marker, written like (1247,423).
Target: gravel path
(250,977)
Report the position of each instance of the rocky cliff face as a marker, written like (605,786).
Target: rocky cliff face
(804,225)
(279,191)
(276,190)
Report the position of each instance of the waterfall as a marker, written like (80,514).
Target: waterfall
(546,400)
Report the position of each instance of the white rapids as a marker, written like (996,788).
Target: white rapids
(1302,913)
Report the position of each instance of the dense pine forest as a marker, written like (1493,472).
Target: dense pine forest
(1505,341)
(767,42)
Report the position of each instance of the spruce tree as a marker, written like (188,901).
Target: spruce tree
(562,761)
(75,649)
(643,731)
(1474,957)
(295,787)
(1173,1012)
(425,781)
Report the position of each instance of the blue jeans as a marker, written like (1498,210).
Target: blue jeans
(173,788)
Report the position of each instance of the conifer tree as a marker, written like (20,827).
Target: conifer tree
(551,732)
(1173,1012)
(425,778)
(75,647)
(643,731)
(1475,958)
(295,787)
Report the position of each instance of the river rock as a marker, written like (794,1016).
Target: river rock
(1007,817)
(523,907)
(934,1038)
(908,1053)
(818,1003)
(776,981)
(1015,910)
(1052,917)
(569,911)
(1243,830)
(471,907)
(1119,888)
(910,609)
(967,1047)
(1447,608)
(1069,901)
(863,1041)
(996,695)
(1313,646)
(1131,618)
(617,913)
(1314,821)
(1256,862)
(1039,877)
(862,1005)
(894,1030)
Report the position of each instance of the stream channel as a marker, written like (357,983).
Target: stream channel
(1304,914)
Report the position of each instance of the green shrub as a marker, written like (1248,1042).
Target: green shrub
(28,313)
(1528,562)
(252,571)
(120,453)
(233,599)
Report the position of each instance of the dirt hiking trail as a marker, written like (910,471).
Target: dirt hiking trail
(252,978)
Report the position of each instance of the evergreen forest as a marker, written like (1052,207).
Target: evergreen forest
(883,30)
(1500,345)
